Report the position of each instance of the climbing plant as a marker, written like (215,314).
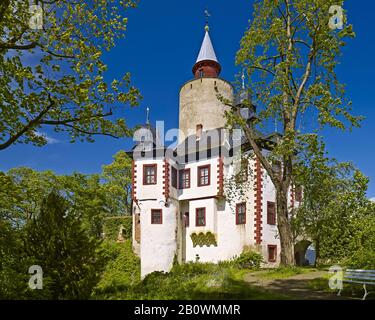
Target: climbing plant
(203,239)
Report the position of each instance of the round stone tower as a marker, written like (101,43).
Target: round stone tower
(200,108)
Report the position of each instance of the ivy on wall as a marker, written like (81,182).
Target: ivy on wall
(112,225)
(203,239)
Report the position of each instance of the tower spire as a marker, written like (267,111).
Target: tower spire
(207,65)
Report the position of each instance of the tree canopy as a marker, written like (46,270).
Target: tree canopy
(290,54)
(52,73)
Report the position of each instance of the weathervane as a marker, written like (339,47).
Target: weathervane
(208,15)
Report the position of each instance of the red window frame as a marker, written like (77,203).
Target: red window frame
(145,167)
(271,213)
(238,205)
(197,218)
(156,211)
(180,184)
(272,249)
(200,169)
(174,177)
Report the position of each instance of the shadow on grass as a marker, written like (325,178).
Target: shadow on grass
(237,290)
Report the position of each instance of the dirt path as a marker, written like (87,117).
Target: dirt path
(295,287)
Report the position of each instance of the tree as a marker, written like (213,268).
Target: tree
(22,197)
(52,73)
(118,182)
(25,189)
(334,197)
(291,45)
(59,244)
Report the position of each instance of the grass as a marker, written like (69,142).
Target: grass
(198,281)
(320,284)
(284,272)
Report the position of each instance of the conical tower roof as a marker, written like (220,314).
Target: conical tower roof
(207,65)
(207,51)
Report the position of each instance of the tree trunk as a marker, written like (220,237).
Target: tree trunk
(285,230)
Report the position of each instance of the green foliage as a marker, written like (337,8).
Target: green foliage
(25,190)
(56,77)
(88,200)
(248,260)
(56,241)
(188,281)
(335,212)
(121,273)
(111,227)
(118,182)
(362,245)
(203,239)
(290,55)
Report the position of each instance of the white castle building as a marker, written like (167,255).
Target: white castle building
(181,206)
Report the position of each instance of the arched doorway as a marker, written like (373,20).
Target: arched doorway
(300,249)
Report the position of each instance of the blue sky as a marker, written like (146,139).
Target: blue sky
(160,48)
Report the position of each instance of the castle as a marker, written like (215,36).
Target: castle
(181,206)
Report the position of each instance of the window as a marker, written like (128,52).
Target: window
(200,218)
(174,177)
(241,213)
(184,179)
(271,213)
(156,216)
(149,174)
(187,218)
(204,176)
(201,74)
(272,253)
(298,193)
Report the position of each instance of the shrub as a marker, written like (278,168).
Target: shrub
(121,273)
(248,259)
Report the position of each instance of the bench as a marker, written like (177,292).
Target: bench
(364,277)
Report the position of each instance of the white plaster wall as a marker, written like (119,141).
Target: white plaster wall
(270,232)
(221,220)
(149,191)
(198,192)
(158,241)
